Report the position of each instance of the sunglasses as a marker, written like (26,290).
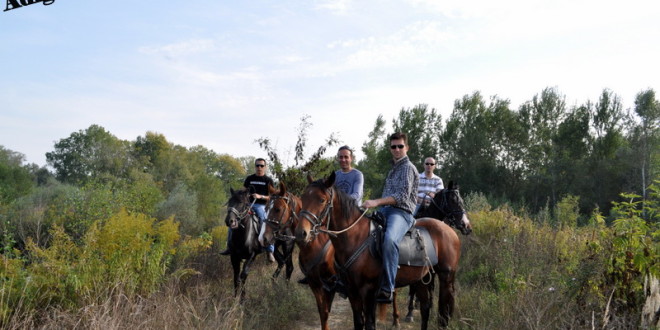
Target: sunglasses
(259,165)
(394,146)
(430,164)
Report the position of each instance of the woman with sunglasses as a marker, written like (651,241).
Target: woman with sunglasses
(398,202)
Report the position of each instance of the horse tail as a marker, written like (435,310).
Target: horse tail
(382,312)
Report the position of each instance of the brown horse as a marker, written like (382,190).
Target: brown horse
(281,210)
(323,205)
(316,259)
(447,205)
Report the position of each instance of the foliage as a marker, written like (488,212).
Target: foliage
(127,253)
(181,204)
(15,179)
(295,176)
(88,154)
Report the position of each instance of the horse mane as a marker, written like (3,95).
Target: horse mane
(238,197)
(347,203)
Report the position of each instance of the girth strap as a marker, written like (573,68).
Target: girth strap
(344,269)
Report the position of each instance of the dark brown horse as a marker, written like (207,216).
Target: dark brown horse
(316,259)
(323,205)
(244,225)
(447,205)
(281,210)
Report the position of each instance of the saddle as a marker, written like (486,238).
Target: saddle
(415,248)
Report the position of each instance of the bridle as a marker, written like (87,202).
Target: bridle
(241,215)
(277,223)
(445,208)
(319,221)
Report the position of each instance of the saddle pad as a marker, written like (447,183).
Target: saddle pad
(412,252)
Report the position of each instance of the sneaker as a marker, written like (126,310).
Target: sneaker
(225,252)
(271,257)
(303,280)
(384,297)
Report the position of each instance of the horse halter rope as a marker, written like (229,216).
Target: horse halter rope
(276,224)
(318,221)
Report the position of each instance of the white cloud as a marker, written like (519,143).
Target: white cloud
(188,47)
(339,7)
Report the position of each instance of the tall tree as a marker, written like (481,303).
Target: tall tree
(89,154)
(646,139)
(423,127)
(374,164)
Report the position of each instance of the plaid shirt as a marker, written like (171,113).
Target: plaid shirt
(401,184)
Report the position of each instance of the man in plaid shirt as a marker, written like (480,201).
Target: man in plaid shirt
(399,202)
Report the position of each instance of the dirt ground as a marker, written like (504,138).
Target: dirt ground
(341,317)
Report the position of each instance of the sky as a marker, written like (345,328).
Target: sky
(222,74)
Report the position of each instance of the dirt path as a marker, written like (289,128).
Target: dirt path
(341,317)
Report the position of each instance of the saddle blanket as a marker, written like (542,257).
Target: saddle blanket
(414,248)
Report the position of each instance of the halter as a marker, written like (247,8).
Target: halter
(318,221)
(241,215)
(444,204)
(275,224)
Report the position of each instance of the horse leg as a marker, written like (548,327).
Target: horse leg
(424,294)
(370,311)
(358,317)
(395,311)
(236,266)
(244,273)
(289,261)
(323,304)
(411,304)
(279,258)
(445,296)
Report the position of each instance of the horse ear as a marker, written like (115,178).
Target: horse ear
(451,185)
(309,178)
(282,188)
(330,180)
(231,190)
(271,189)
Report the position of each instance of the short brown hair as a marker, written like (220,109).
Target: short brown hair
(399,135)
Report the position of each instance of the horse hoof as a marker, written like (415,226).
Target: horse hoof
(409,319)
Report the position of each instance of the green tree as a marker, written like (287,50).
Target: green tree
(374,165)
(645,138)
(88,154)
(423,127)
(15,179)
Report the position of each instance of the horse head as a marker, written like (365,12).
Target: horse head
(281,215)
(238,208)
(453,206)
(317,200)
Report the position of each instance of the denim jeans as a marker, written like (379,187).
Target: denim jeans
(260,210)
(398,222)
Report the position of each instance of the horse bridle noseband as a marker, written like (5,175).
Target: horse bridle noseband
(318,221)
(275,224)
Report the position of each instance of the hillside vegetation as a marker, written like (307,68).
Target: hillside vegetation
(126,234)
